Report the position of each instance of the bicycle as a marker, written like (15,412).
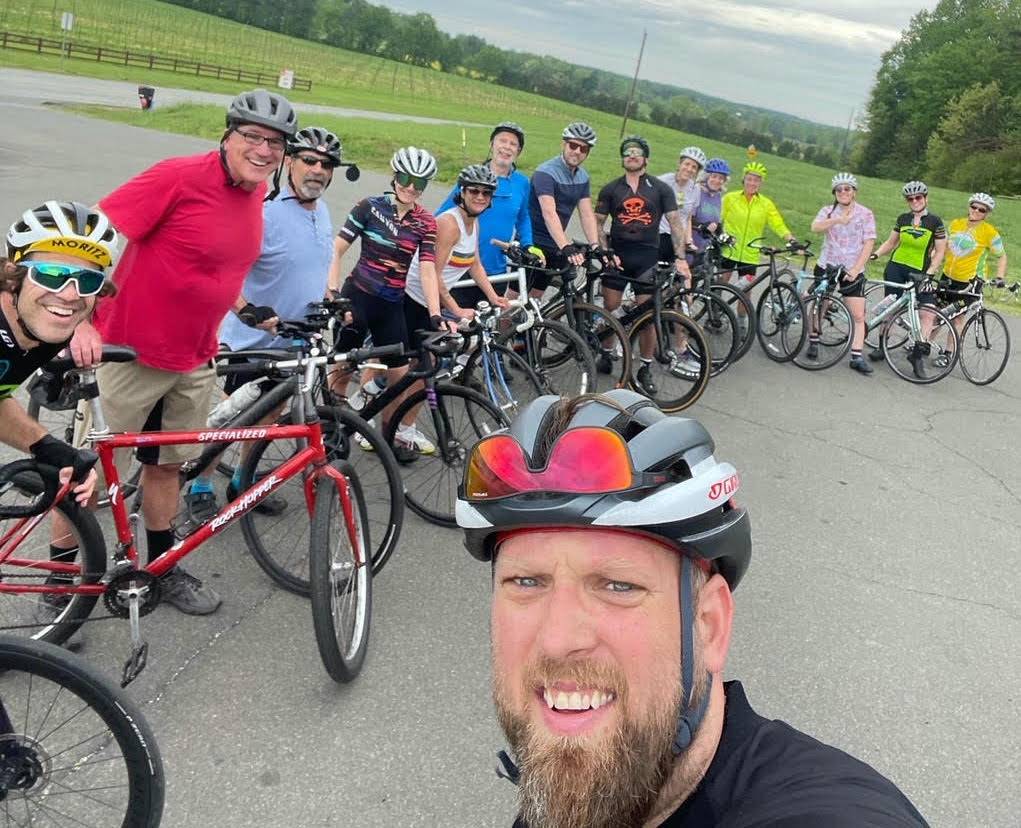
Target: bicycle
(984,338)
(130,591)
(830,322)
(73,748)
(779,312)
(898,319)
(678,386)
(704,274)
(452,417)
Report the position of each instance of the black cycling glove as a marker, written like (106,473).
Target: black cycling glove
(436,322)
(53,452)
(255,315)
(570,250)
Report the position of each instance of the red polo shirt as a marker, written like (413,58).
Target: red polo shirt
(192,238)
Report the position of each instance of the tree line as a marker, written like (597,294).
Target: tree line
(946,105)
(360,26)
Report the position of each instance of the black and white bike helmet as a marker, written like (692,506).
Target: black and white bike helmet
(413,161)
(843,178)
(512,128)
(692,509)
(318,140)
(914,188)
(983,198)
(63,227)
(477,175)
(695,154)
(263,108)
(579,131)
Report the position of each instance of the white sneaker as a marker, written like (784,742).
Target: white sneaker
(684,364)
(364,444)
(413,438)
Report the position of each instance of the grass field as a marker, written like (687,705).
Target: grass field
(343,78)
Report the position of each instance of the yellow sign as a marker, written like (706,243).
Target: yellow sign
(752,152)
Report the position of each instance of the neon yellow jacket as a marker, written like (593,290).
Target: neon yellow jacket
(746,221)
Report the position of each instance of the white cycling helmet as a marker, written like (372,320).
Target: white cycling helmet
(579,131)
(63,227)
(842,178)
(983,198)
(413,161)
(695,154)
(914,188)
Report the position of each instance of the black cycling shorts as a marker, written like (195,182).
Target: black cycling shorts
(469,297)
(746,269)
(904,275)
(858,289)
(635,262)
(373,315)
(416,318)
(538,280)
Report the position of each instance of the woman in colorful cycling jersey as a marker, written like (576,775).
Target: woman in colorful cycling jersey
(850,235)
(393,228)
(707,216)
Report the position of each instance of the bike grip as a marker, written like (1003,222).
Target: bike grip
(86,460)
(51,485)
(363,354)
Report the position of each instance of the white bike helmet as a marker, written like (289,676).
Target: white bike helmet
(842,178)
(63,227)
(914,188)
(413,161)
(579,131)
(695,154)
(983,198)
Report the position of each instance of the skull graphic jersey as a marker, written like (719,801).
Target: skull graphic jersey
(635,213)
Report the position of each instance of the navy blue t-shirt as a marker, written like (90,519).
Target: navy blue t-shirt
(567,186)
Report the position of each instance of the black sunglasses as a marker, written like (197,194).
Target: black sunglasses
(419,182)
(981,208)
(312,160)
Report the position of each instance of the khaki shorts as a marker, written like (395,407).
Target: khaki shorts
(136,397)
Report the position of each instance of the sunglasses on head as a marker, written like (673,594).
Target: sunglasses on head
(981,208)
(53,277)
(587,460)
(477,192)
(407,180)
(311,160)
(578,146)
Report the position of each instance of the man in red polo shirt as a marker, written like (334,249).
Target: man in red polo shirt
(194,229)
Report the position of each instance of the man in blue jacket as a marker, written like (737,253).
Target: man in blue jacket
(508,217)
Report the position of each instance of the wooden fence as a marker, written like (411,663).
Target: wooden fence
(80,51)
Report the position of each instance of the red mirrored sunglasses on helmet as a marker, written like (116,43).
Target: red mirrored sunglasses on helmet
(587,460)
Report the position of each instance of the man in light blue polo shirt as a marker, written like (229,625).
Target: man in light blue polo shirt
(558,187)
(291,271)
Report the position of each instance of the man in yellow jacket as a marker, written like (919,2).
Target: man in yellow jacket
(745,215)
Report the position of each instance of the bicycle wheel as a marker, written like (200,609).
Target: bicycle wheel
(719,324)
(605,338)
(741,305)
(279,542)
(461,417)
(921,361)
(341,581)
(520,383)
(874,294)
(74,750)
(50,618)
(559,357)
(831,329)
(781,327)
(674,384)
(984,347)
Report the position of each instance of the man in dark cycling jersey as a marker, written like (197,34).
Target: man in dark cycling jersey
(58,255)
(615,544)
(919,243)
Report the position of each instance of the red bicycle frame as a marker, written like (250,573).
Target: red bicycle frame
(314,454)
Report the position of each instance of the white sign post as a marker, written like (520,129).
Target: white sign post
(286,80)
(66,25)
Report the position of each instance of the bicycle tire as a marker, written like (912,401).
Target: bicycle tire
(285,561)
(19,609)
(834,342)
(874,294)
(735,298)
(558,356)
(896,354)
(604,335)
(780,322)
(342,651)
(77,685)
(524,387)
(431,482)
(693,386)
(719,324)
(979,330)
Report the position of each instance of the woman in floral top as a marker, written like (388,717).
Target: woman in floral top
(850,235)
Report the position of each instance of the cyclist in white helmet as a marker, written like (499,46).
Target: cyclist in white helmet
(684,182)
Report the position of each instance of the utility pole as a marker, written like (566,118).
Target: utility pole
(842,162)
(634,83)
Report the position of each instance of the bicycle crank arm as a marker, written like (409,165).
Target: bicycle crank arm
(139,649)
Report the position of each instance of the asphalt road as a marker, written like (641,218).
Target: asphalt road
(881,612)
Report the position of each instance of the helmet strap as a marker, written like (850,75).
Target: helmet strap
(691,717)
(27,331)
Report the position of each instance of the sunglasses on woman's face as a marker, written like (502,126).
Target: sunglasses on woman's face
(845,189)
(980,208)
(53,277)
(916,198)
(478,192)
(407,180)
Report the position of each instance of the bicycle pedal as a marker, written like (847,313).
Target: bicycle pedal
(135,664)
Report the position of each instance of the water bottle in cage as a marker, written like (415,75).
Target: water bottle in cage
(234,404)
(878,310)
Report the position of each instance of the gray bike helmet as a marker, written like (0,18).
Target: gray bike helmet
(477,175)
(692,508)
(579,131)
(263,108)
(695,154)
(914,188)
(413,161)
(318,140)
(512,128)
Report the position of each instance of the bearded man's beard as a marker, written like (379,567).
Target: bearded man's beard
(609,780)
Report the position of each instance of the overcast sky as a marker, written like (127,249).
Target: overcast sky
(806,57)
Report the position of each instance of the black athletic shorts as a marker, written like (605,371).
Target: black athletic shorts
(635,262)
(555,260)
(373,315)
(469,297)
(746,269)
(416,318)
(902,274)
(857,290)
